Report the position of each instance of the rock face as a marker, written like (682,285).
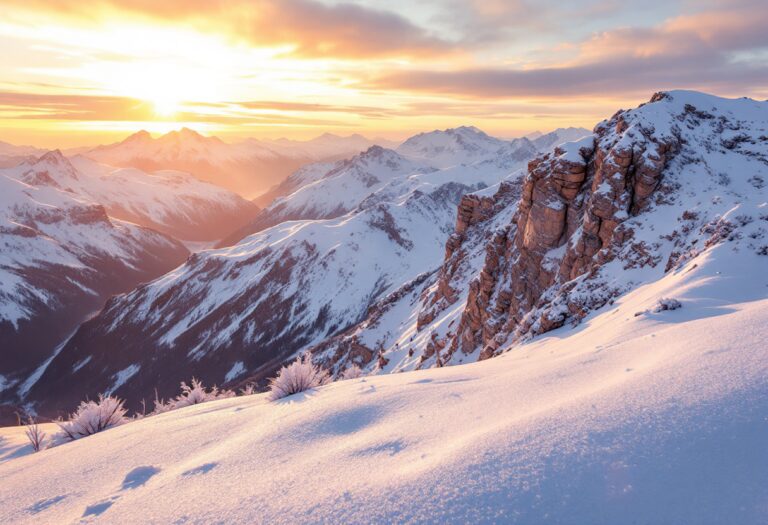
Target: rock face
(649,191)
(575,198)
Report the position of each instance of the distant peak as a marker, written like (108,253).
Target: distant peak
(183,133)
(660,95)
(52,161)
(470,129)
(140,135)
(55,156)
(374,150)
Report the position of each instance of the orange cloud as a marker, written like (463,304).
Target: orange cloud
(312,28)
(74,107)
(692,51)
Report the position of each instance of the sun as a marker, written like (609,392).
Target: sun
(165,106)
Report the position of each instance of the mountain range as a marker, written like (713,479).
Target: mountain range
(249,168)
(229,311)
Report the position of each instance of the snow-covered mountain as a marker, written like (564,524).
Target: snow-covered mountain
(250,167)
(546,141)
(324,191)
(442,149)
(653,193)
(60,257)
(171,202)
(320,191)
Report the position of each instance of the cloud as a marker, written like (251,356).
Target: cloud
(691,51)
(314,29)
(73,107)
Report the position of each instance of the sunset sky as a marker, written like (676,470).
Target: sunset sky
(76,72)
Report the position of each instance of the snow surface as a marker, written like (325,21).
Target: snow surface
(659,418)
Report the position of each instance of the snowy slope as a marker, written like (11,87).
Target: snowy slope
(59,259)
(174,203)
(250,167)
(651,419)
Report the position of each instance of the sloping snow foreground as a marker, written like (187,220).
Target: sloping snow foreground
(650,418)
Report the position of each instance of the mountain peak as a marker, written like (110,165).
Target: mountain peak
(51,169)
(140,136)
(54,156)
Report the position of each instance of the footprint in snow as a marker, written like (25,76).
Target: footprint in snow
(139,476)
(43,504)
(134,479)
(202,469)
(99,508)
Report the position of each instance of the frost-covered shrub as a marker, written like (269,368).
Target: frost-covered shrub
(352,372)
(92,417)
(191,395)
(297,377)
(667,303)
(36,436)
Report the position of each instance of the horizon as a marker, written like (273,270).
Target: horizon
(237,138)
(78,76)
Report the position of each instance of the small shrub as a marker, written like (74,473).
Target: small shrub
(92,417)
(352,372)
(297,377)
(191,395)
(36,436)
(667,303)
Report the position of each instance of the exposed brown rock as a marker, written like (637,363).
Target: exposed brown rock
(568,224)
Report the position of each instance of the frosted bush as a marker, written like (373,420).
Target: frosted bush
(92,417)
(666,303)
(352,372)
(297,377)
(36,436)
(191,395)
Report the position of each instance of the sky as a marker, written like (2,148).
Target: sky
(80,73)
